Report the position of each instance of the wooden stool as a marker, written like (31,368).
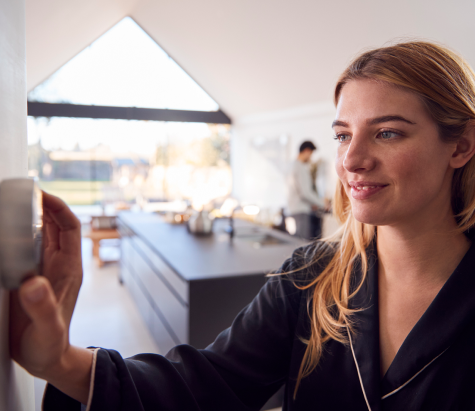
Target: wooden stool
(96,236)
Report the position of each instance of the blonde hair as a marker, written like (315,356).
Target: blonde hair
(446,85)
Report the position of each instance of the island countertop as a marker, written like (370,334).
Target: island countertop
(195,257)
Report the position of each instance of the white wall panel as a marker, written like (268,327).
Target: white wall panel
(255,179)
(260,181)
(16,386)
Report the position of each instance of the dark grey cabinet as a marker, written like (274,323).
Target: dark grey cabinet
(178,311)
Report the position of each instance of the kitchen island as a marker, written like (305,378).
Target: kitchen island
(189,288)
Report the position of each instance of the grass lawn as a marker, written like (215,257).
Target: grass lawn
(75,192)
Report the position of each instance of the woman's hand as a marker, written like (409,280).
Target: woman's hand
(41,310)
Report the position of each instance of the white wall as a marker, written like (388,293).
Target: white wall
(261,181)
(258,180)
(16,386)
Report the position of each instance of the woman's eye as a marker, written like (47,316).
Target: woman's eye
(386,135)
(342,137)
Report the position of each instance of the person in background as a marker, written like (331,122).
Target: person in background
(304,204)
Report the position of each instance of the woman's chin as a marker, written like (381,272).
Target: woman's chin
(370,217)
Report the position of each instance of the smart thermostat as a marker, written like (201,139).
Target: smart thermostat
(21,229)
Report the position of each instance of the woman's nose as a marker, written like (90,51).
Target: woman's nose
(359,156)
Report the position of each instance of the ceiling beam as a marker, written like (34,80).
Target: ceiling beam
(125,113)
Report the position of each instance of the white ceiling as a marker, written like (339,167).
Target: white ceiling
(251,56)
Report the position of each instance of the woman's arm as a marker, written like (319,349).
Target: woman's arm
(41,310)
(241,370)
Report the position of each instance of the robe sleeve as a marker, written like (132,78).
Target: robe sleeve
(240,370)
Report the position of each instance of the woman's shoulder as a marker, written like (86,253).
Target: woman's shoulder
(306,264)
(310,259)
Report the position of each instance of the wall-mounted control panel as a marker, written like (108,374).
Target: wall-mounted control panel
(21,230)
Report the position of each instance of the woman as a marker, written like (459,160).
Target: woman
(376,319)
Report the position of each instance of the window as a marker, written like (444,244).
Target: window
(124,67)
(120,162)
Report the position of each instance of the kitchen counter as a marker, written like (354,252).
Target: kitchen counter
(205,257)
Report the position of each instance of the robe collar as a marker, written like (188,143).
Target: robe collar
(451,311)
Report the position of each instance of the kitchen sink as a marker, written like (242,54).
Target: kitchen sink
(260,239)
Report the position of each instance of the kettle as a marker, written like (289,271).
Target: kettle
(200,223)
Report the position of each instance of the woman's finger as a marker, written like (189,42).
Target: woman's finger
(40,305)
(50,234)
(38,344)
(69,237)
(60,212)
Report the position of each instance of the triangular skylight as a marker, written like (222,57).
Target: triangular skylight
(124,67)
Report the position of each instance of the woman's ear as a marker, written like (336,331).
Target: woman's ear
(465,148)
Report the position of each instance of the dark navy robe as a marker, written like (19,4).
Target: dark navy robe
(434,368)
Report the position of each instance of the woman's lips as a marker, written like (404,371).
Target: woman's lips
(362,191)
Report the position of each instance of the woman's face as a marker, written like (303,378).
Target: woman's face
(391,161)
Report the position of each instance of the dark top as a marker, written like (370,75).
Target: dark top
(433,369)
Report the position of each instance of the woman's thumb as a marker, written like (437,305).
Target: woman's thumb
(38,301)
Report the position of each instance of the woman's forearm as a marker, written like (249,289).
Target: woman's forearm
(73,375)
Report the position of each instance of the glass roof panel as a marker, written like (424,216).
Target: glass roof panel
(124,67)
